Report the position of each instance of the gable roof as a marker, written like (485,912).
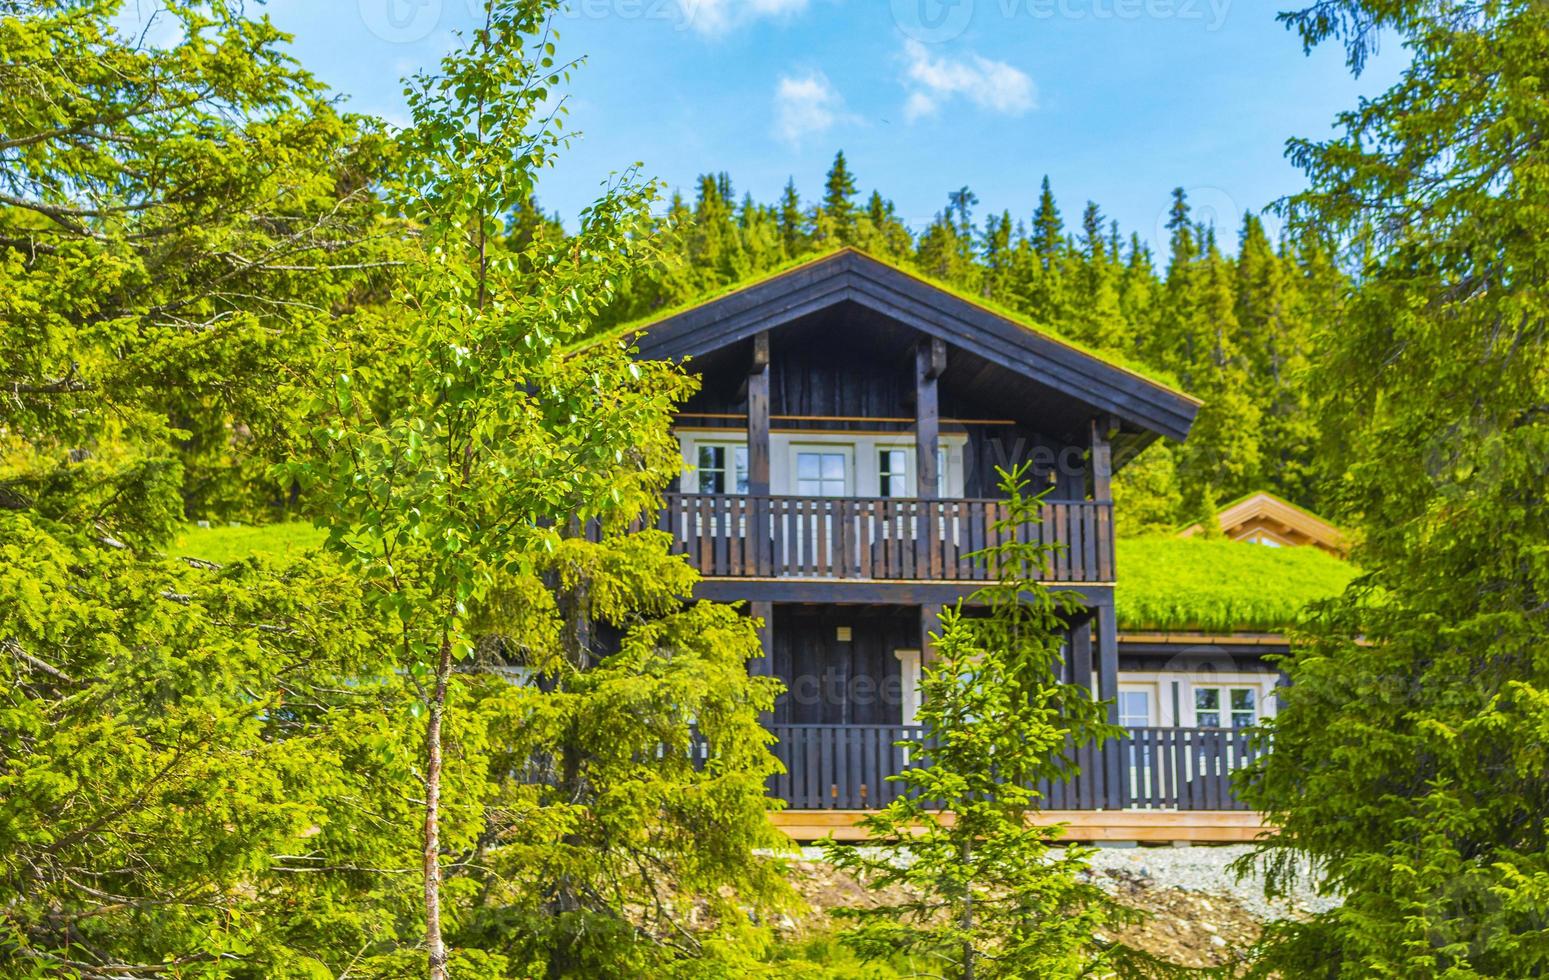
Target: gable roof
(848,275)
(1264,514)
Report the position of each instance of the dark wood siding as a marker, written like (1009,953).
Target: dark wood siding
(830,682)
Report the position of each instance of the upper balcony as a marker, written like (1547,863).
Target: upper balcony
(878,539)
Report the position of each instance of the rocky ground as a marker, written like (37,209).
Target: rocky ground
(1197,912)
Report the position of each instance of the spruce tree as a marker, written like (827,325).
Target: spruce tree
(793,230)
(990,894)
(1408,760)
(1048,235)
(836,214)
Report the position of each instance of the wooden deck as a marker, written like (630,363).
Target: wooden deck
(1144,826)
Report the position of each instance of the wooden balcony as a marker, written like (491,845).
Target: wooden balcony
(876,539)
(846,767)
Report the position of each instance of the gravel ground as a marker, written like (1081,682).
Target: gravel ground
(1204,870)
(1207,870)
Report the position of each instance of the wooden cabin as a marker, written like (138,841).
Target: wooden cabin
(1263,518)
(841,461)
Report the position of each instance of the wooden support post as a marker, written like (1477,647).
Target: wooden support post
(930,361)
(1102,458)
(764,666)
(930,622)
(758,416)
(1107,643)
(1103,428)
(758,455)
(1081,654)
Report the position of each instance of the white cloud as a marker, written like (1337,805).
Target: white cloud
(713,18)
(806,105)
(992,85)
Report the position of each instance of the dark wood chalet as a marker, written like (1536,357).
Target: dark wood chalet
(841,466)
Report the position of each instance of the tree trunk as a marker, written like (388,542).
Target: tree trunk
(967,923)
(435,947)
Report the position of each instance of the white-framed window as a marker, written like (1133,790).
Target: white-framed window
(822,471)
(1226,706)
(1135,708)
(722,468)
(895,471)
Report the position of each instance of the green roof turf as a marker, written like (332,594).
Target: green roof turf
(1218,585)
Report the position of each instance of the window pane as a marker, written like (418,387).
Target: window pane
(893,468)
(710,481)
(1207,707)
(741,457)
(1134,709)
(1242,719)
(807,467)
(710,457)
(833,466)
(1243,698)
(809,488)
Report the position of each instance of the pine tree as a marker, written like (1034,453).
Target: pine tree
(836,215)
(996,254)
(1408,762)
(793,231)
(1097,317)
(882,233)
(990,895)
(1274,338)
(1048,235)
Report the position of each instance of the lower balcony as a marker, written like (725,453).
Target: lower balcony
(847,767)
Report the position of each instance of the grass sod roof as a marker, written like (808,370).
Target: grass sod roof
(1165,583)
(1115,359)
(1218,585)
(224,545)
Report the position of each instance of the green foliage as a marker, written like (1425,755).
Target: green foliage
(1218,584)
(201,770)
(1409,750)
(178,227)
(489,502)
(199,774)
(991,893)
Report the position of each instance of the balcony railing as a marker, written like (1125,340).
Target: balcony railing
(846,767)
(881,538)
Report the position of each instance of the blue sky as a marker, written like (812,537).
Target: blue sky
(1118,101)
